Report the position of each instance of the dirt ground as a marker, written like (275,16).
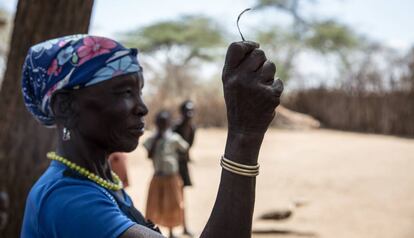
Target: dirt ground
(348,185)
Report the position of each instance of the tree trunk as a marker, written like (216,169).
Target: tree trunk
(23,141)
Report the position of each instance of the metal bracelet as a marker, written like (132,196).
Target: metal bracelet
(240,169)
(242,166)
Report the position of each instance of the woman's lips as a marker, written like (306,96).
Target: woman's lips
(137,130)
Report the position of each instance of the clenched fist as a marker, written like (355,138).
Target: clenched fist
(250,89)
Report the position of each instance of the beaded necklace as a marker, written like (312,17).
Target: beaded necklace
(91,176)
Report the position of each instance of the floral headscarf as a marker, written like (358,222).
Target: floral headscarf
(71,62)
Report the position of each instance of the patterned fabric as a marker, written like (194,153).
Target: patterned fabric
(71,62)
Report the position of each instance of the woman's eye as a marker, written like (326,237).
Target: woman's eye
(126,92)
(129,92)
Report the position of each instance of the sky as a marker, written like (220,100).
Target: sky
(381,20)
(385,21)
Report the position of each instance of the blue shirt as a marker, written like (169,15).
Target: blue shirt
(59,206)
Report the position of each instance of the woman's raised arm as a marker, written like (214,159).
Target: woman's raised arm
(251,96)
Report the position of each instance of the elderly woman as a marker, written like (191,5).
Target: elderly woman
(89,88)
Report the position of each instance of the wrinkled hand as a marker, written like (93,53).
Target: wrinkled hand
(250,91)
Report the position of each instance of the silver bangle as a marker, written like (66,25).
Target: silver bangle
(254,174)
(243,166)
(240,169)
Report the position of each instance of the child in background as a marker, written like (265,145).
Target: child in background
(165,198)
(186,129)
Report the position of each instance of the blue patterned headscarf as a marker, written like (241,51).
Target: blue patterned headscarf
(71,62)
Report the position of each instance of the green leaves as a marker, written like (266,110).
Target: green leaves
(330,36)
(193,32)
(275,3)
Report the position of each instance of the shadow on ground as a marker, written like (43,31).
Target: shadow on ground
(284,232)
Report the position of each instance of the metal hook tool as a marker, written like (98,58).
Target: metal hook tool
(238,19)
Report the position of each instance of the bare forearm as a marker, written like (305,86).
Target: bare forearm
(251,95)
(233,210)
(243,147)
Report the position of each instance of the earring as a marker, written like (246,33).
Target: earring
(66,134)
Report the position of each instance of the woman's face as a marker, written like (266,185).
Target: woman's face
(111,113)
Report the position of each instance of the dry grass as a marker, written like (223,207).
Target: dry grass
(352,185)
(385,113)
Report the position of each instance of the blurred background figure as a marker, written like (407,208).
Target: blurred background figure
(186,129)
(165,199)
(119,166)
(4,205)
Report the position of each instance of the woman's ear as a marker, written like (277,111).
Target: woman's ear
(64,108)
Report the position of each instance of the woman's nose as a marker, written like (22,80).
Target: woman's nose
(140,108)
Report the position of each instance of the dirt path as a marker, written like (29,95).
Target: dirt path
(351,185)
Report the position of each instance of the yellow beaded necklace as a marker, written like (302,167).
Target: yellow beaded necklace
(91,176)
